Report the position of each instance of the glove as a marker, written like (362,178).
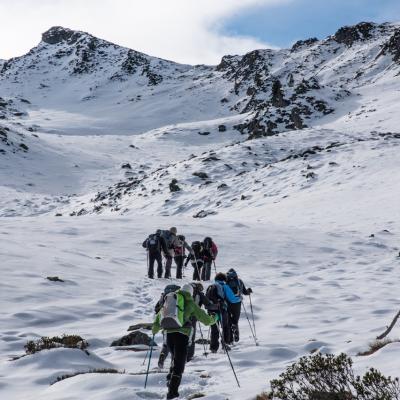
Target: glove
(217,317)
(249,290)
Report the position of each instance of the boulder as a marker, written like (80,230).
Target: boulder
(134,338)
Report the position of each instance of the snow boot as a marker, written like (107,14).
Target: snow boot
(173,386)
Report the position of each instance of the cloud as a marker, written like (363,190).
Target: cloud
(189,31)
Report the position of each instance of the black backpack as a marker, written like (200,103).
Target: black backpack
(196,247)
(153,244)
(215,293)
(234,284)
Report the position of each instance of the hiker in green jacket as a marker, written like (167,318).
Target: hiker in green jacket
(178,336)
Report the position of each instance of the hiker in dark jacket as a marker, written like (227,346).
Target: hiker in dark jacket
(221,295)
(196,259)
(239,289)
(172,241)
(179,254)
(178,338)
(154,244)
(210,252)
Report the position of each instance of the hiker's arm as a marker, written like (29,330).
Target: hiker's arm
(144,244)
(156,325)
(187,247)
(203,317)
(246,291)
(188,259)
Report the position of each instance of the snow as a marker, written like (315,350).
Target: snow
(309,218)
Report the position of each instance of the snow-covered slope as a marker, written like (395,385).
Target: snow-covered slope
(101,145)
(76,81)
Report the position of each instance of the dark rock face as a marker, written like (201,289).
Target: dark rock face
(221,128)
(173,186)
(277,98)
(134,338)
(393,46)
(303,43)
(351,34)
(58,34)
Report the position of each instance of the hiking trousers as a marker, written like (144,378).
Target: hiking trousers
(179,266)
(152,258)
(197,271)
(178,346)
(168,264)
(192,340)
(234,310)
(226,331)
(206,272)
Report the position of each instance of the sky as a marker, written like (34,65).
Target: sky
(187,31)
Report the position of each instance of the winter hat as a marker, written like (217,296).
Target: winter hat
(187,287)
(232,273)
(173,230)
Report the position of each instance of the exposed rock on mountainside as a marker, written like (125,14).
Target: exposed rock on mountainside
(272,90)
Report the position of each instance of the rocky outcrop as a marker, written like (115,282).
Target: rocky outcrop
(392,46)
(58,34)
(134,338)
(300,44)
(351,34)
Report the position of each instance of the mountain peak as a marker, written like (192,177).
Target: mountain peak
(58,34)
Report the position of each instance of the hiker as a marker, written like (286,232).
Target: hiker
(210,252)
(164,350)
(201,300)
(174,319)
(179,254)
(172,242)
(221,295)
(154,244)
(239,289)
(196,259)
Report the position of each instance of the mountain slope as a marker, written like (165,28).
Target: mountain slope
(103,88)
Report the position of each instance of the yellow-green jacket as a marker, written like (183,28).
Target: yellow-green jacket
(190,309)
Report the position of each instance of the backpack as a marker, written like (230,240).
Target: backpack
(168,237)
(168,289)
(153,244)
(235,285)
(215,293)
(197,248)
(210,247)
(172,311)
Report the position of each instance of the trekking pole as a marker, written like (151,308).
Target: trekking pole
(252,315)
(251,329)
(202,338)
(145,357)
(227,352)
(148,262)
(148,365)
(215,267)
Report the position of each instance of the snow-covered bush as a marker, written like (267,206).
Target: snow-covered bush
(47,343)
(330,377)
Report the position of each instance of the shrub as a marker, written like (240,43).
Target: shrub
(375,346)
(92,371)
(329,377)
(47,343)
